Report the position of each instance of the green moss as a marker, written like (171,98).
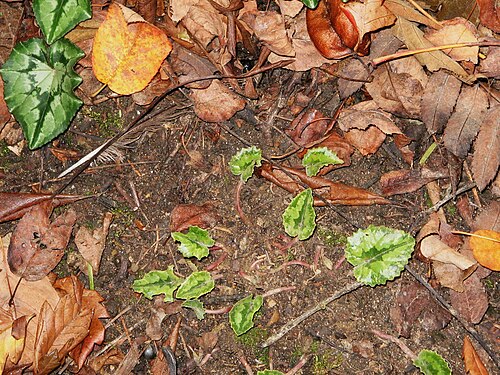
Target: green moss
(332,238)
(253,340)
(4,150)
(109,122)
(325,362)
(489,284)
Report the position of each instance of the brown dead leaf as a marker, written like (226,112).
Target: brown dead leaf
(490,66)
(472,361)
(12,339)
(309,128)
(434,249)
(489,218)
(473,302)
(159,365)
(456,30)
(130,360)
(366,141)
(485,245)
(370,16)
(37,245)
(439,99)
(155,88)
(413,305)
(414,38)
(4,110)
(111,357)
(486,157)
(185,215)
(362,115)
(216,103)
(464,123)
(11,20)
(405,181)
(489,14)
(449,275)
(333,192)
(356,73)
(91,243)
(404,9)
(63,154)
(14,205)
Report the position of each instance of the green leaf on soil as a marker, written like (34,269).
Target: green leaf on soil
(57,17)
(317,158)
(39,84)
(243,163)
(196,306)
(270,372)
(299,217)
(311,3)
(194,243)
(196,285)
(242,313)
(158,282)
(431,363)
(378,253)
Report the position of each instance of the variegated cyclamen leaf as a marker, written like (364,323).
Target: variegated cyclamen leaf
(244,162)
(57,17)
(197,306)
(431,363)
(158,282)
(299,217)
(196,285)
(242,313)
(317,158)
(38,88)
(194,243)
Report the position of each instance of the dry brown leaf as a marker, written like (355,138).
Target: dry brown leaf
(357,72)
(309,128)
(404,181)
(490,66)
(37,245)
(333,192)
(472,361)
(434,249)
(185,215)
(414,38)
(11,20)
(269,27)
(486,157)
(91,243)
(439,99)
(464,123)
(4,111)
(472,303)
(362,115)
(456,30)
(290,8)
(489,218)
(366,141)
(370,16)
(489,14)
(404,9)
(485,246)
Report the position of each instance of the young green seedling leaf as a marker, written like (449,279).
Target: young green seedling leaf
(158,282)
(378,253)
(299,217)
(317,158)
(39,84)
(431,363)
(194,243)
(196,306)
(57,17)
(243,163)
(196,285)
(242,313)
(311,3)
(270,372)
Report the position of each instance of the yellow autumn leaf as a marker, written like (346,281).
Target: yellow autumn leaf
(486,248)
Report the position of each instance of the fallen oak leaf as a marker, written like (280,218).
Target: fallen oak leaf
(127,56)
(331,192)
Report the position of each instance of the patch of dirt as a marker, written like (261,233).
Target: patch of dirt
(180,160)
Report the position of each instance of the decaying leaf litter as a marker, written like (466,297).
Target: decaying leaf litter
(417,137)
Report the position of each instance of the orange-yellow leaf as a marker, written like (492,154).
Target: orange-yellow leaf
(12,336)
(127,56)
(486,248)
(473,364)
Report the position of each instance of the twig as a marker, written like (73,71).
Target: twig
(303,360)
(456,315)
(396,341)
(245,364)
(237,202)
(319,306)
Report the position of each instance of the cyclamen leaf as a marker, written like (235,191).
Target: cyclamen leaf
(270,372)
(317,158)
(431,363)
(242,313)
(378,253)
(158,282)
(244,162)
(311,4)
(196,285)
(194,243)
(57,17)
(196,306)
(39,84)
(299,217)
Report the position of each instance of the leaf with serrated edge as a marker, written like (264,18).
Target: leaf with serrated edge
(378,253)
(431,363)
(317,158)
(196,285)
(299,217)
(158,282)
(196,306)
(39,84)
(242,313)
(57,17)
(243,163)
(194,243)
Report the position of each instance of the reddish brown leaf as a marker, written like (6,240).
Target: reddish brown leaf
(185,215)
(473,302)
(308,128)
(465,122)
(4,111)
(489,14)
(366,141)
(490,66)
(489,218)
(486,158)
(405,181)
(472,361)
(14,205)
(333,192)
(345,26)
(37,245)
(362,115)
(439,99)
(414,306)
